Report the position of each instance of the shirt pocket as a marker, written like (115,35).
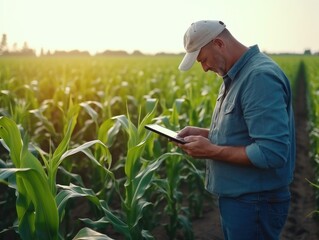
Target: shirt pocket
(231,121)
(230,107)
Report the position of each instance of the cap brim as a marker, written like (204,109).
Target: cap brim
(188,60)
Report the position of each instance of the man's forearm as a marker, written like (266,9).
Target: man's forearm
(230,154)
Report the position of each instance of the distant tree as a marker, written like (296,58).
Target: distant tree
(137,53)
(26,51)
(113,53)
(307,52)
(71,53)
(3,44)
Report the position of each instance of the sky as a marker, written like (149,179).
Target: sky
(156,26)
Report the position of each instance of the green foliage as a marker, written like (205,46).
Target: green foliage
(312,80)
(139,177)
(85,118)
(36,208)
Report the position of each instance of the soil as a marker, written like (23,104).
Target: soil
(302,223)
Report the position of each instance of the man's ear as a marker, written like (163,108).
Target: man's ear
(219,42)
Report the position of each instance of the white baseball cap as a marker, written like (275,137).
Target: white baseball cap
(197,36)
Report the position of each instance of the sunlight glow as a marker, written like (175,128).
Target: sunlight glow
(155,26)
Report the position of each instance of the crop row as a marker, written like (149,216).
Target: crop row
(77,126)
(312,80)
(84,119)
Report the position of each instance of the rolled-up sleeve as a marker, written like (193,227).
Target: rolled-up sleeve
(265,111)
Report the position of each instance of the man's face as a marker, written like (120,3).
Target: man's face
(212,59)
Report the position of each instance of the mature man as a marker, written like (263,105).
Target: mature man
(250,145)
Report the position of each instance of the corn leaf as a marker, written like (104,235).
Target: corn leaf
(151,104)
(107,132)
(73,191)
(39,213)
(89,234)
(147,235)
(136,190)
(10,134)
(90,110)
(96,224)
(38,113)
(55,161)
(74,176)
(36,208)
(78,149)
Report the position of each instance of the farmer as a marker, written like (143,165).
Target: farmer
(250,145)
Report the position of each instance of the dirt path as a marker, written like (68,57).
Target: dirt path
(299,224)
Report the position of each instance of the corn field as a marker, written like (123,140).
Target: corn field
(76,160)
(312,79)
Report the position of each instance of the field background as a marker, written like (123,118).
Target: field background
(83,119)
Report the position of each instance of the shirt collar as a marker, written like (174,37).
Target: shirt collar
(253,50)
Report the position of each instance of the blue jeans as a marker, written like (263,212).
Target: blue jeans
(255,216)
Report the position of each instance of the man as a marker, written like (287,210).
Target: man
(250,146)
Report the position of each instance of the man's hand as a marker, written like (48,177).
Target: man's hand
(197,146)
(193,131)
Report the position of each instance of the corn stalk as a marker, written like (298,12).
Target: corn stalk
(36,208)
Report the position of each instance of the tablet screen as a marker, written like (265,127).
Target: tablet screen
(165,132)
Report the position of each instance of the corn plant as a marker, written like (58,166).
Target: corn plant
(36,207)
(312,76)
(139,174)
(76,109)
(179,170)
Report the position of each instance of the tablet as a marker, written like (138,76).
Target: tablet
(165,132)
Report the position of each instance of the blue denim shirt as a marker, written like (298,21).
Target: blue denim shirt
(256,113)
